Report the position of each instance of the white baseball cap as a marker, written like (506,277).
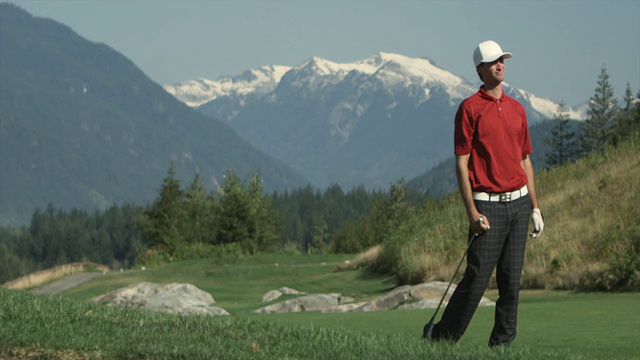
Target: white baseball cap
(488,51)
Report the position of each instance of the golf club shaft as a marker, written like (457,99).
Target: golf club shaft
(473,237)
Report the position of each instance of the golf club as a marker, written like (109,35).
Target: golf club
(428,325)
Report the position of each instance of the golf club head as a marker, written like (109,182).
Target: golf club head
(428,329)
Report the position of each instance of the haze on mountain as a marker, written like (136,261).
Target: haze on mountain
(370,122)
(82,127)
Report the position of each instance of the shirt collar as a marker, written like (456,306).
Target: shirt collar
(485,95)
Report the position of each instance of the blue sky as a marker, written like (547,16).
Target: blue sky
(558,47)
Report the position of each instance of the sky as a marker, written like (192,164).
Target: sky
(559,47)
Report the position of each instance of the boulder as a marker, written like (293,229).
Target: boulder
(305,303)
(421,296)
(343,308)
(170,298)
(271,295)
(428,295)
(275,294)
(289,291)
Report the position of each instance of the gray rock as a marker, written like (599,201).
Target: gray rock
(275,294)
(290,291)
(171,298)
(422,304)
(428,296)
(421,296)
(304,303)
(271,295)
(343,308)
(345,300)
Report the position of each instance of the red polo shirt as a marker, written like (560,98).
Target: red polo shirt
(495,133)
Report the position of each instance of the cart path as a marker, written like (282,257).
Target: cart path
(64,284)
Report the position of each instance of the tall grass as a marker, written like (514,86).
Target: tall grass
(591,238)
(40,277)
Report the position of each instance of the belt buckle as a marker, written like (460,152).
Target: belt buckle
(505,197)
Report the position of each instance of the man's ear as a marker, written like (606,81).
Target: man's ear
(478,71)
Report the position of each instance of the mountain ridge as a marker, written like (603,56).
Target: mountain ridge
(368,122)
(83,127)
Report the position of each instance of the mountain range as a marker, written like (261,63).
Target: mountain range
(368,122)
(82,127)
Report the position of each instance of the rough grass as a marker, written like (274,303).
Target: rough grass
(57,327)
(591,228)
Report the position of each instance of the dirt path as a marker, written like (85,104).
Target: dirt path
(66,283)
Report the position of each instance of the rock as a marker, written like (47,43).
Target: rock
(429,295)
(345,300)
(304,303)
(343,308)
(271,295)
(432,290)
(275,294)
(171,298)
(422,304)
(421,296)
(290,291)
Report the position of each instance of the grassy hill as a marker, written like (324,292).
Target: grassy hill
(591,237)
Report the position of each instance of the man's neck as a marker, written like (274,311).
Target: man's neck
(494,90)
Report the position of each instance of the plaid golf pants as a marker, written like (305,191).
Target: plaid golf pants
(501,248)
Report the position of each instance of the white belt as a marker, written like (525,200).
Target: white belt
(501,197)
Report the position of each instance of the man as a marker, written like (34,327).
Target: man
(496,181)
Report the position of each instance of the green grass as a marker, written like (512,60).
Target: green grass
(97,331)
(552,325)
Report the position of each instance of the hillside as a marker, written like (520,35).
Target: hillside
(591,227)
(82,126)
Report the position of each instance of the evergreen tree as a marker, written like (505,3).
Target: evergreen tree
(598,130)
(562,140)
(319,240)
(627,121)
(263,229)
(233,211)
(199,210)
(161,224)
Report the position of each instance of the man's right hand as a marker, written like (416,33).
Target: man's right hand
(480,225)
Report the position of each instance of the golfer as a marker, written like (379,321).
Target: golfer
(496,181)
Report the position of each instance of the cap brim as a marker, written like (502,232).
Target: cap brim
(505,55)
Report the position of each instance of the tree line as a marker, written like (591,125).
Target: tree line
(235,219)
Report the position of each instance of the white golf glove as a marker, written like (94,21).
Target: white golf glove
(538,223)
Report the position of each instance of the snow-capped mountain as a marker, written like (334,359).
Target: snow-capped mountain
(367,122)
(197,92)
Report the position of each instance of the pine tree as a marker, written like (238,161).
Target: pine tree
(563,139)
(627,118)
(161,224)
(199,223)
(263,229)
(233,211)
(598,130)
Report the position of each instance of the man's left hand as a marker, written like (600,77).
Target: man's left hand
(538,223)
